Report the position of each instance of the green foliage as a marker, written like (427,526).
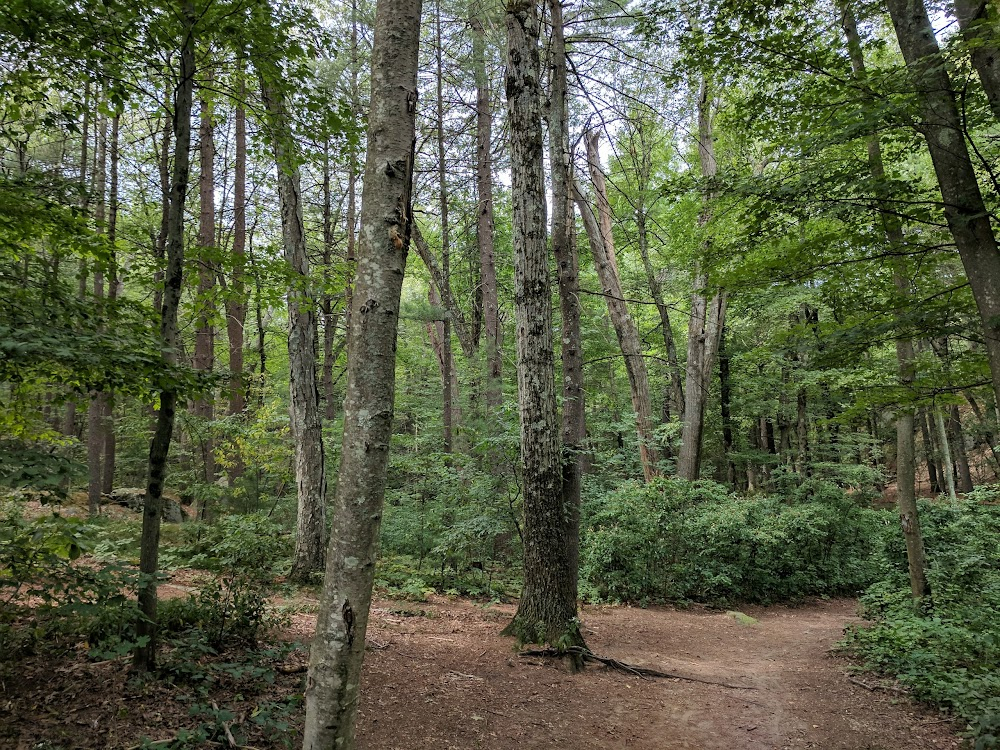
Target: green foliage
(948,651)
(675,540)
(246,552)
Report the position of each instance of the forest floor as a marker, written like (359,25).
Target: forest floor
(439,676)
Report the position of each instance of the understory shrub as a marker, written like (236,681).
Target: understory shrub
(673,540)
(948,652)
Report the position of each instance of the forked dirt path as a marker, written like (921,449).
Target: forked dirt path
(439,676)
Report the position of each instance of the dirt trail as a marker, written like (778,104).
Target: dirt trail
(441,677)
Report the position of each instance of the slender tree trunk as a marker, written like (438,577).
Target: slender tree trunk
(386,219)
(145,654)
(967,216)
(448,394)
(574,424)
(978,20)
(547,608)
(706,321)
(236,299)
(484,214)
(98,406)
(114,289)
(625,328)
(330,318)
(803,457)
(932,469)
(204,336)
(306,424)
(458,322)
(727,420)
(160,246)
(961,456)
(947,467)
(69,427)
(352,182)
(905,446)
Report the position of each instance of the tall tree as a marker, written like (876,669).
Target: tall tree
(627,332)
(546,611)
(149,552)
(978,19)
(386,221)
(942,127)
(306,422)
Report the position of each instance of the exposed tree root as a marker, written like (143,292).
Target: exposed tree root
(587,656)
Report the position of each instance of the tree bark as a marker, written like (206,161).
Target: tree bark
(114,289)
(484,215)
(947,467)
(98,406)
(941,125)
(905,441)
(386,219)
(145,655)
(204,335)
(447,365)
(727,419)
(932,469)
(306,424)
(236,299)
(978,21)
(546,611)
(625,328)
(574,424)
(957,436)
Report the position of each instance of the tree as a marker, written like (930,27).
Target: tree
(386,223)
(546,612)
(145,654)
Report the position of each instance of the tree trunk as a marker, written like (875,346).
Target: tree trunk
(905,446)
(727,420)
(114,289)
(448,394)
(236,299)
(706,322)
(444,290)
(978,21)
(947,467)
(98,407)
(624,325)
(964,209)
(574,420)
(484,215)
(145,654)
(932,469)
(546,611)
(306,425)
(204,335)
(961,456)
(330,318)
(386,218)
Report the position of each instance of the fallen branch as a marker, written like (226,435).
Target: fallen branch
(587,655)
(877,686)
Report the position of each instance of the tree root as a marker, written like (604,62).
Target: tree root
(588,656)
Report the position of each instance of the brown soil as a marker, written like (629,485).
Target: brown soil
(438,675)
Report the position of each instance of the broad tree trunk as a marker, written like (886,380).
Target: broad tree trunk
(484,214)
(625,328)
(145,654)
(204,335)
(547,608)
(941,125)
(386,219)
(306,424)
(574,424)
(905,444)
(978,21)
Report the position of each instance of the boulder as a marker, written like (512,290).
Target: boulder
(134,498)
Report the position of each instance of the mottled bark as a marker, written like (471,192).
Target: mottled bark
(546,611)
(305,421)
(332,688)
(574,422)
(942,126)
(145,654)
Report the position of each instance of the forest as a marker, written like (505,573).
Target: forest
(402,374)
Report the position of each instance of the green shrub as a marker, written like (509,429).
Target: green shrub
(677,540)
(948,653)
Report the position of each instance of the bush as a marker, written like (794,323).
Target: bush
(948,654)
(677,540)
